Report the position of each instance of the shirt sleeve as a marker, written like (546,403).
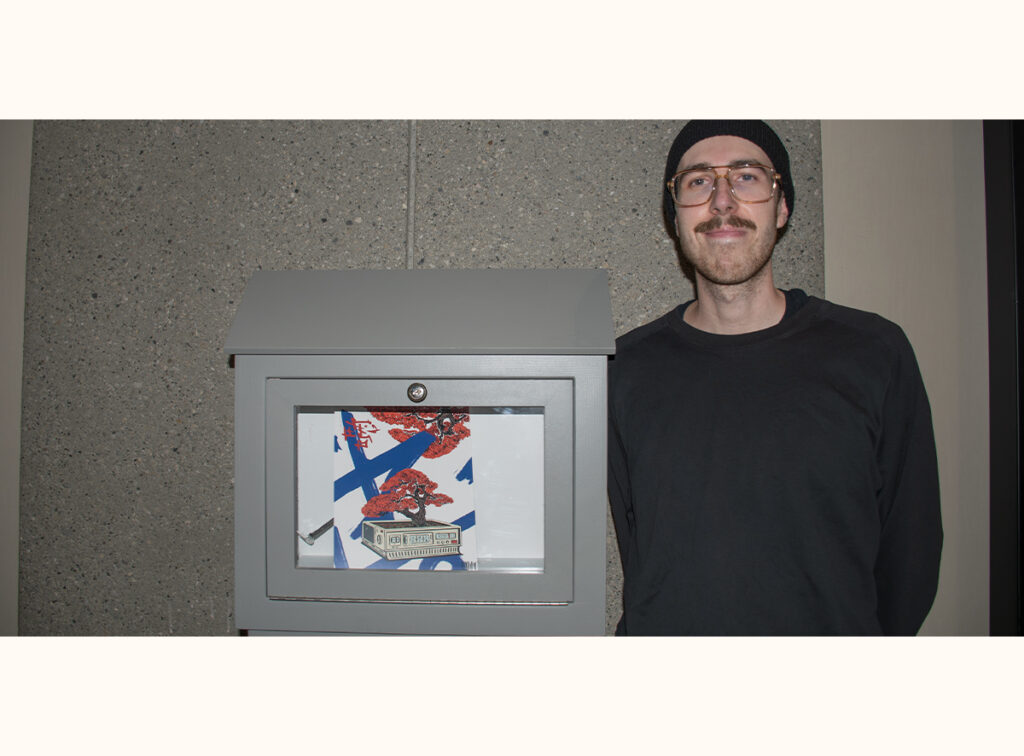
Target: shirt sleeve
(907,566)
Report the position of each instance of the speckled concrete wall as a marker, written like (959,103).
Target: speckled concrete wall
(141,239)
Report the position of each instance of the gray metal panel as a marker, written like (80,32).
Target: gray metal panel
(286,580)
(424,312)
(585,506)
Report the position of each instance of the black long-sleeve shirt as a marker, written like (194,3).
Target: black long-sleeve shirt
(776,482)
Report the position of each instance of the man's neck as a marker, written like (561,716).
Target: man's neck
(742,308)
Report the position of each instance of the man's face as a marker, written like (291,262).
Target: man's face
(728,242)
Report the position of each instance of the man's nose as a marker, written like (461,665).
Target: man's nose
(722,201)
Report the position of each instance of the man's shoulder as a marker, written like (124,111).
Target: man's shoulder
(643,336)
(642,358)
(869,325)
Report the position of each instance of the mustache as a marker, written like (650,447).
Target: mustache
(718,221)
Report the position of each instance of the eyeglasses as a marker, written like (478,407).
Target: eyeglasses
(750,183)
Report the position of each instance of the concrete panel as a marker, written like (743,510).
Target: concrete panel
(799,260)
(141,239)
(551,194)
(584,194)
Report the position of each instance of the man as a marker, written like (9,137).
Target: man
(772,464)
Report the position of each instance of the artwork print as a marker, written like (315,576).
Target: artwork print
(403,496)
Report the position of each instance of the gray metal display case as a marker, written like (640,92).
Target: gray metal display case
(524,341)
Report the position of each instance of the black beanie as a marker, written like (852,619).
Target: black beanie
(758,132)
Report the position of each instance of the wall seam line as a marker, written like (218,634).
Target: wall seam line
(410,212)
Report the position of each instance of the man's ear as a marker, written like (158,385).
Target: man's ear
(781,212)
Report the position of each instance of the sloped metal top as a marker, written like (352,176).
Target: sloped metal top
(424,312)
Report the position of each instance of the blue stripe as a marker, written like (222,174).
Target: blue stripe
(467,520)
(365,471)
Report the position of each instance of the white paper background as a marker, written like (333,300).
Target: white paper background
(507,490)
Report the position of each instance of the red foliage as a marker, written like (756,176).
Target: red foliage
(449,425)
(407,492)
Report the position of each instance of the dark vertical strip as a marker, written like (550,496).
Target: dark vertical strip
(1004,185)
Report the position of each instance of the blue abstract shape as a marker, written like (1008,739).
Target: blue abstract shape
(387,564)
(431,563)
(365,471)
(364,474)
(426,563)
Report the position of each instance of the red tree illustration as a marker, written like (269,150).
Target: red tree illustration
(449,425)
(407,492)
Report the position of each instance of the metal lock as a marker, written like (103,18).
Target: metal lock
(417,392)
